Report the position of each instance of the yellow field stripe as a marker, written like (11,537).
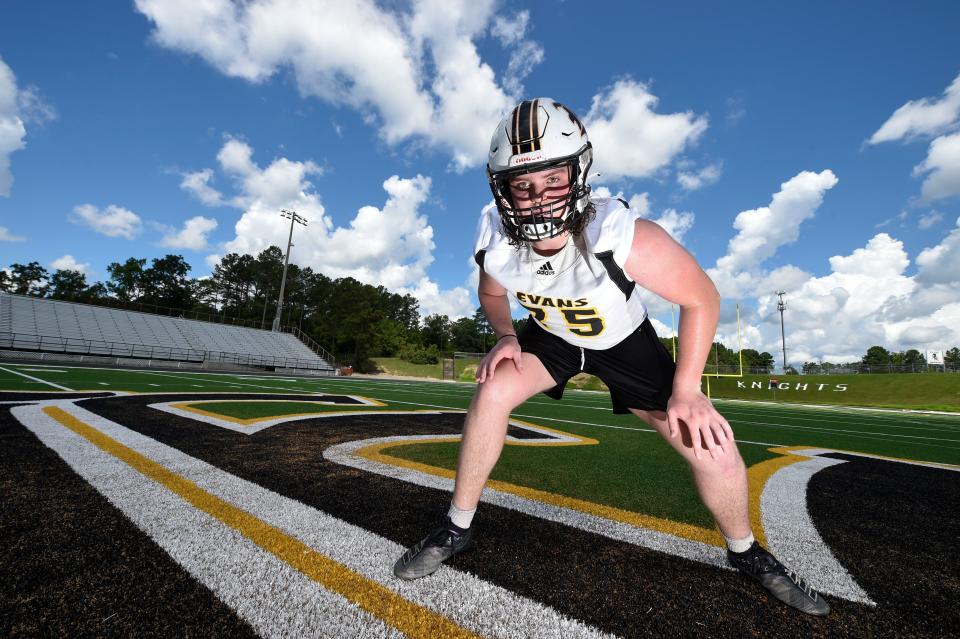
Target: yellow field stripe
(862,455)
(709,536)
(406,616)
(581,439)
(192,407)
(757,477)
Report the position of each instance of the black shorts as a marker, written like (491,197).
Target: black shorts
(638,371)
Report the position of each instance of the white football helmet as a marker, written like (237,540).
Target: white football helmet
(536,135)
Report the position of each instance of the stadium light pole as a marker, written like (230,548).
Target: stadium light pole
(783,336)
(294,219)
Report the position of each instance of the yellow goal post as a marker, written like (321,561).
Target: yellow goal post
(717,372)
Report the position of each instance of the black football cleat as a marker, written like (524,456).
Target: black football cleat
(425,557)
(780,581)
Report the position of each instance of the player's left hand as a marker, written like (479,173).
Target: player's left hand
(707,427)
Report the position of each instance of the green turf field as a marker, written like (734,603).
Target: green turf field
(632,468)
(175,450)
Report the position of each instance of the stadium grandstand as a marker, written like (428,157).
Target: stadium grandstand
(79,332)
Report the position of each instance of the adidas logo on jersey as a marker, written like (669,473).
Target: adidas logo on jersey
(546,269)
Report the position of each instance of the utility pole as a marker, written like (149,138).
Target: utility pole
(780,307)
(294,218)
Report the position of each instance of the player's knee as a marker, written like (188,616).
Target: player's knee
(497,391)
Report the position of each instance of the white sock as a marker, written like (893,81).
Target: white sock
(459,517)
(740,545)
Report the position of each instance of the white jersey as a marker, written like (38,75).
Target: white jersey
(581,294)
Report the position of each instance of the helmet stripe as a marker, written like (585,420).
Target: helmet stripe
(523,127)
(515,138)
(535,126)
(533,123)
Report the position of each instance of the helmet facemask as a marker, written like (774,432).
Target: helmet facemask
(542,221)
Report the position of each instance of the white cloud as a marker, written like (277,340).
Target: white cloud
(525,54)
(7,236)
(197,183)
(881,257)
(113,221)
(939,119)
(416,74)
(839,312)
(943,167)
(629,138)
(929,220)
(360,54)
(923,117)
(12,130)
(901,216)
(704,177)
(34,109)
(763,230)
(69,263)
(734,111)
(455,303)
(280,184)
(344,52)
(640,203)
(940,264)
(676,223)
(510,31)
(192,236)
(391,245)
(469,102)
(866,299)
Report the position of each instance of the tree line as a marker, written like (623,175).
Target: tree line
(878,359)
(352,320)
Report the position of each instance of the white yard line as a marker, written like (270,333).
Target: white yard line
(275,597)
(36,379)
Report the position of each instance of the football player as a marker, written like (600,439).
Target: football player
(575,262)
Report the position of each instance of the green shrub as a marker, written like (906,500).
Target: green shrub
(420,354)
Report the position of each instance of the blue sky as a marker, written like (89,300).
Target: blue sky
(807,148)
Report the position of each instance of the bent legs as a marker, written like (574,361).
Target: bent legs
(721,482)
(485,426)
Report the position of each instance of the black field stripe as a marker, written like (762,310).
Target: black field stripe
(617,587)
(73,565)
(895,527)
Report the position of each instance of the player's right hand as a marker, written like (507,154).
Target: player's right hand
(506,348)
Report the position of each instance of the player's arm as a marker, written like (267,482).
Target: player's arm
(493,300)
(660,265)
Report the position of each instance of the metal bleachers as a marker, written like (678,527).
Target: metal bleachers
(37,324)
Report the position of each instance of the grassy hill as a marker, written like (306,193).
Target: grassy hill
(929,391)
